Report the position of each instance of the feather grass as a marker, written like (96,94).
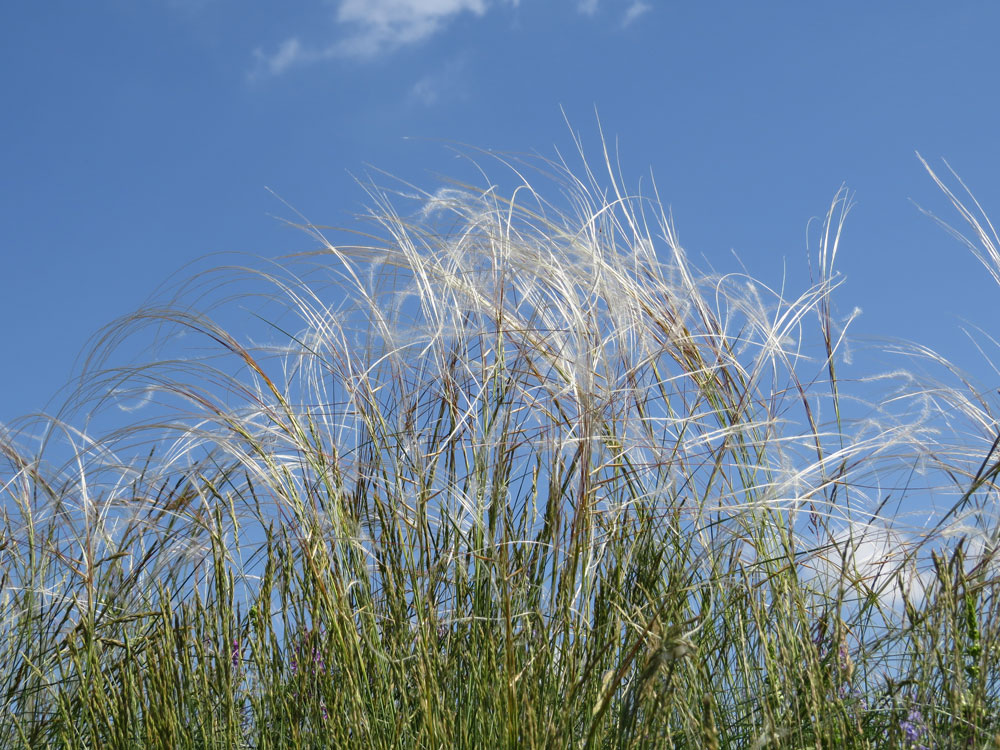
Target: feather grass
(503,471)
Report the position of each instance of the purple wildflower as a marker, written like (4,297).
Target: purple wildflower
(914,730)
(847,693)
(311,665)
(843,657)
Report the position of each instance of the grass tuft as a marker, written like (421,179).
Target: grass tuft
(502,471)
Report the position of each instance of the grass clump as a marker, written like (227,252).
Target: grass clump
(500,475)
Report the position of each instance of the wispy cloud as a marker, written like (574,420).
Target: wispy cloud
(372,28)
(636,9)
(383,25)
(289,53)
(447,82)
(874,559)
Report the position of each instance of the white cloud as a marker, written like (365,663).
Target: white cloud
(873,559)
(425,91)
(371,28)
(446,82)
(289,53)
(636,9)
(981,540)
(383,25)
(145,396)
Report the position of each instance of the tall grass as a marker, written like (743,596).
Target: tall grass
(500,471)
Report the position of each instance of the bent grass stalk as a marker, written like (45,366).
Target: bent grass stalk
(505,476)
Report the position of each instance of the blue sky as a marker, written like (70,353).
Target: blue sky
(139,135)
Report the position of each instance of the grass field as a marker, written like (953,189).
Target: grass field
(501,470)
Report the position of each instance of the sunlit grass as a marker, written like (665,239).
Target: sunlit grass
(499,473)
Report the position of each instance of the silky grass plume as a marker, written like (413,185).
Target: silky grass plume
(505,469)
